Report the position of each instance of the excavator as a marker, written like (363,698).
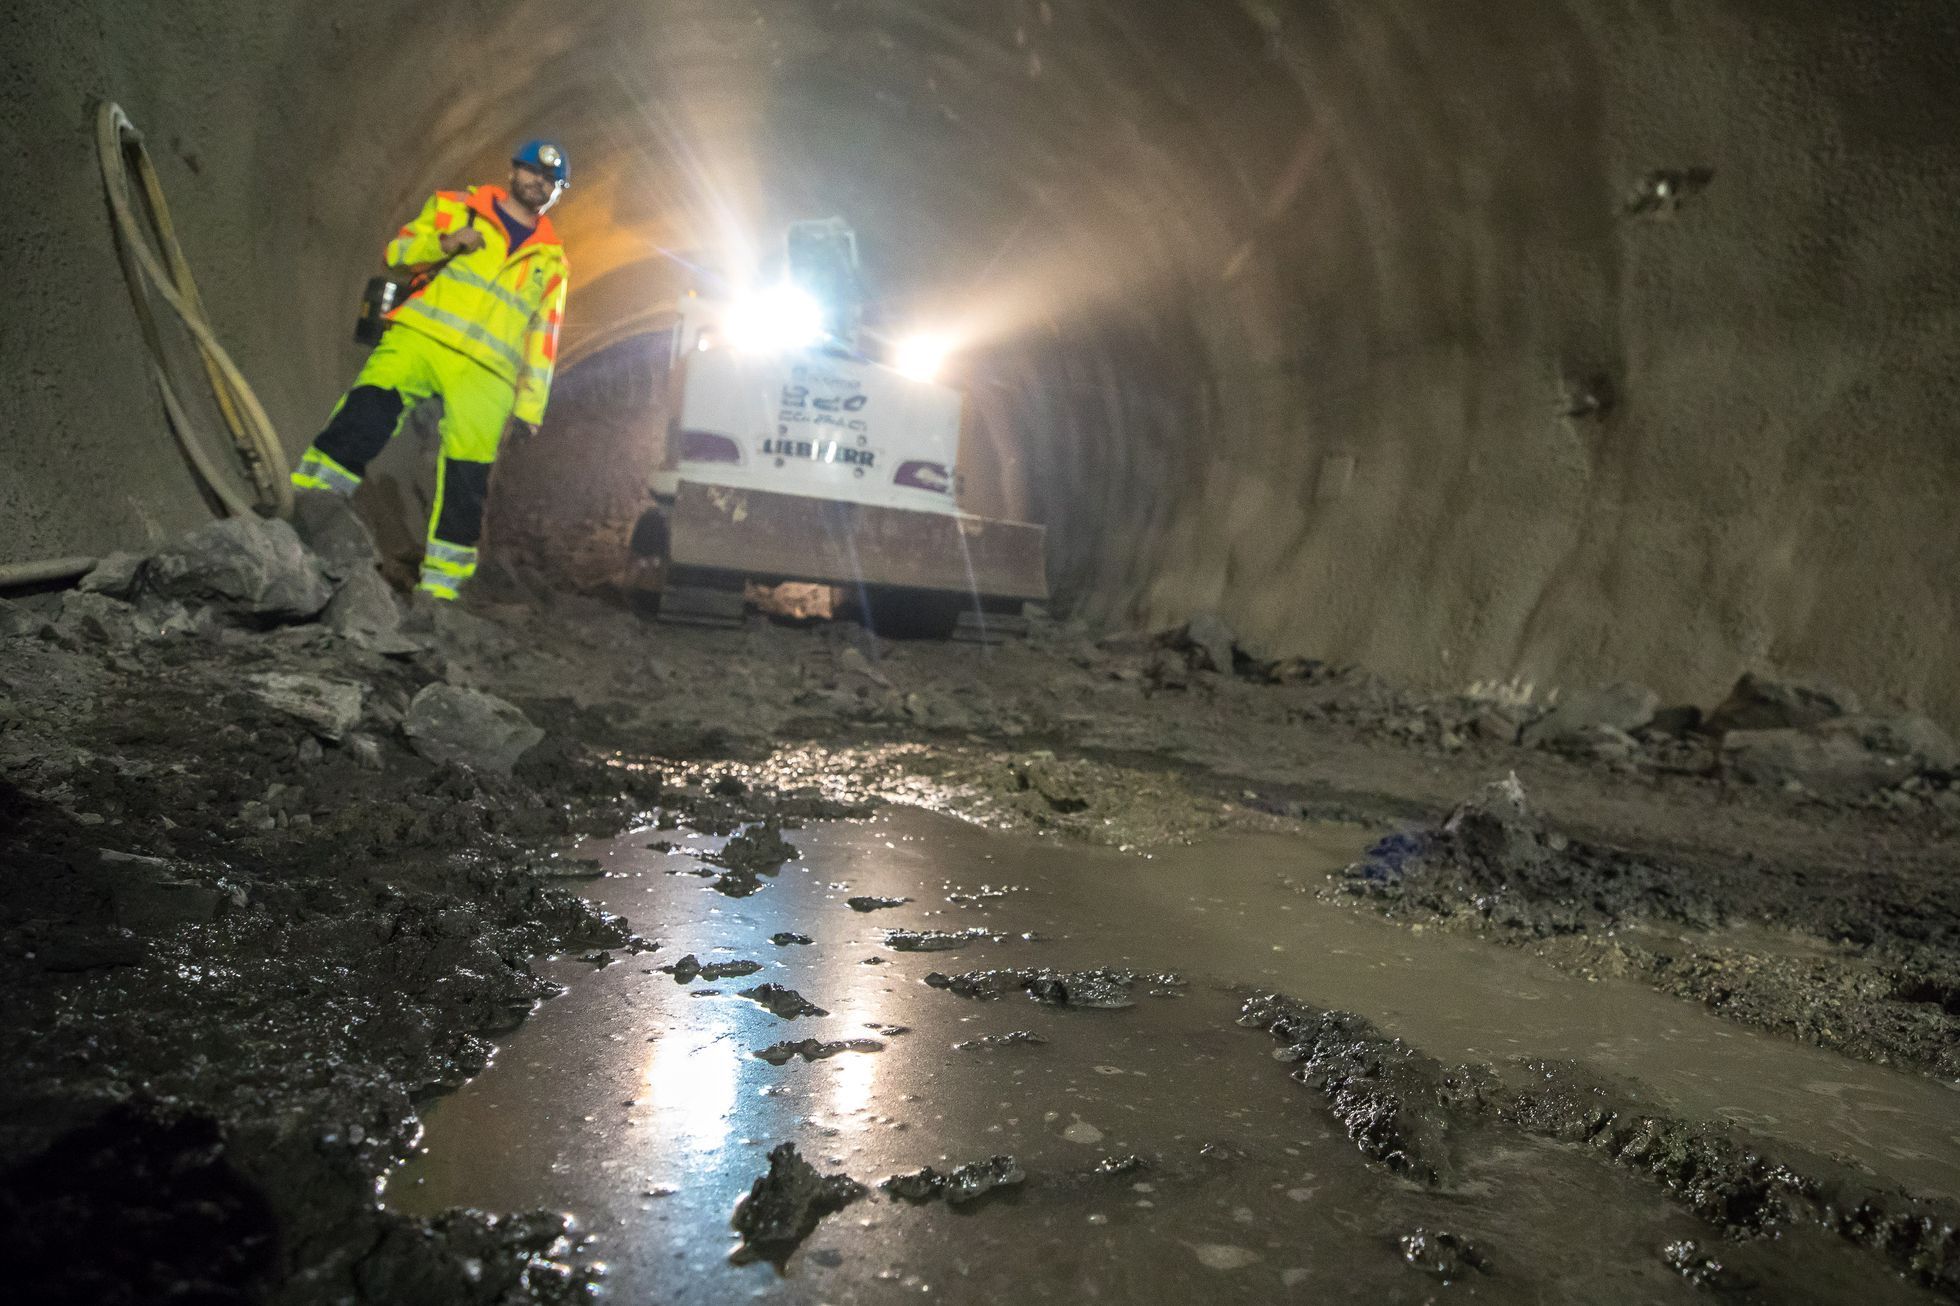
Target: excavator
(796,458)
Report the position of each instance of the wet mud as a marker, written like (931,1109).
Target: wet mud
(1404,1110)
(784,1004)
(261,929)
(938,940)
(810,1049)
(690,968)
(1165,1150)
(966,1184)
(1109,990)
(785,1205)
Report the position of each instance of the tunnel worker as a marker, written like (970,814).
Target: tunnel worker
(479,327)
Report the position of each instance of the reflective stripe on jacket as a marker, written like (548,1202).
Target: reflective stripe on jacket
(501,307)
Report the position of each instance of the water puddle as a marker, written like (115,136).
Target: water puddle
(1167,1157)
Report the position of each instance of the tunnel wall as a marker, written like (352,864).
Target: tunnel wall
(1391,477)
(1309,294)
(267,187)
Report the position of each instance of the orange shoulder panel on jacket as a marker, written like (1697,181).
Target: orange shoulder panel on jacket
(444,221)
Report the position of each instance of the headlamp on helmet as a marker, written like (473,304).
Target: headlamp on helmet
(546,157)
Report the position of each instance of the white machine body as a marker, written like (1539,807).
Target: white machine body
(815,422)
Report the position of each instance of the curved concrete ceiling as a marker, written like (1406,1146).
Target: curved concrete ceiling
(1391,330)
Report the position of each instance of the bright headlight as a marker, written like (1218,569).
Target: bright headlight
(773,320)
(921,357)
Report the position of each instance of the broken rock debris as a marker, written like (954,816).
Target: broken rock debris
(1013,1038)
(689,968)
(475,730)
(329,708)
(252,568)
(810,1049)
(784,1206)
(969,1183)
(1104,988)
(785,1003)
(875,904)
(938,940)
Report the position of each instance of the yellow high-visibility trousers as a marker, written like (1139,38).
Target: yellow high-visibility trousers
(404,369)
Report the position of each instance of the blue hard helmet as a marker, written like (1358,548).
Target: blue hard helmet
(547,157)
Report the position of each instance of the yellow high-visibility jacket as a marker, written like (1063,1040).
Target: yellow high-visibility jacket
(501,307)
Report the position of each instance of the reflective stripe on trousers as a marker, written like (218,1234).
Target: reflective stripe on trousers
(438,583)
(316,471)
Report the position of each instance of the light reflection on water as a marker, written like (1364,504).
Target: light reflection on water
(642,1108)
(693,1077)
(854,1075)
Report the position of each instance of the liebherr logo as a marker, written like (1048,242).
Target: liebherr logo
(822,451)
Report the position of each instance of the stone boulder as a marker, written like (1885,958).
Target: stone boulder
(1832,764)
(447,723)
(1760,702)
(1212,640)
(328,525)
(116,575)
(98,619)
(329,708)
(1600,743)
(250,567)
(1622,708)
(1915,738)
(18,621)
(365,610)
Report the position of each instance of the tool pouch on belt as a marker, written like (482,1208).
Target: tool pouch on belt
(384,294)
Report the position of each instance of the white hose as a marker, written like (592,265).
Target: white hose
(253,438)
(13,575)
(255,441)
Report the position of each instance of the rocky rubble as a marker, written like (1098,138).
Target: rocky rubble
(468,727)
(785,1206)
(1889,991)
(277,842)
(1812,740)
(249,911)
(1403,1110)
(963,1186)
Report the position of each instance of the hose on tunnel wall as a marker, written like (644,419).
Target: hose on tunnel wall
(122,153)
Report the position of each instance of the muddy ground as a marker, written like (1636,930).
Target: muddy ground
(261,900)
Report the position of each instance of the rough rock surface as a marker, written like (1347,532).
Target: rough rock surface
(17,621)
(1103,988)
(969,1183)
(468,727)
(329,708)
(1212,642)
(365,608)
(784,1003)
(1621,707)
(92,618)
(810,1049)
(253,568)
(328,525)
(116,575)
(1832,765)
(1445,1255)
(785,1205)
(1762,702)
